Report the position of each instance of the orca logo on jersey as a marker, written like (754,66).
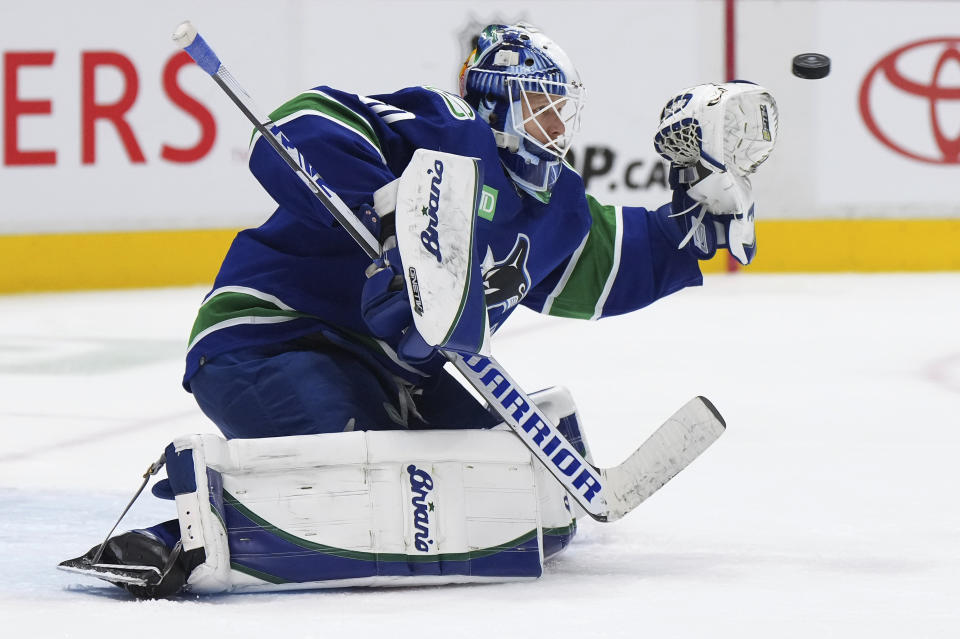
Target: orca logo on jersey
(507,281)
(421,483)
(430,237)
(555,450)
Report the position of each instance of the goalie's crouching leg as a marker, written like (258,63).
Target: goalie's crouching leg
(389,508)
(558,512)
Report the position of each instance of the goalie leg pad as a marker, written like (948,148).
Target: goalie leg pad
(558,513)
(360,509)
(557,404)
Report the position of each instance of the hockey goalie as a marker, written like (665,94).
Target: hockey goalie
(409,227)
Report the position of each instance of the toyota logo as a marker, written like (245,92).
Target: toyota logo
(905,105)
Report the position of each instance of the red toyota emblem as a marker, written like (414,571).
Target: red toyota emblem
(903,127)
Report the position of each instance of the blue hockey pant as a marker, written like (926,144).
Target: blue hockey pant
(309,386)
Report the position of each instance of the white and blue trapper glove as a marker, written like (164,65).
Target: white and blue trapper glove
(715,135)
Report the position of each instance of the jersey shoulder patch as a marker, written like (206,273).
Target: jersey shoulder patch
(424,105)
(457,106)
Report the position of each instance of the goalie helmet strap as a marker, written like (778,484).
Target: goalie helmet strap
(506,141)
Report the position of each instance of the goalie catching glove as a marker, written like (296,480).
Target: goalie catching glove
(715,136)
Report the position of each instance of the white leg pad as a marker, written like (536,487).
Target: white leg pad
(557,511)
(363,509)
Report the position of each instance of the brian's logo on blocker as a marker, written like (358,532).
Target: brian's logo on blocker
(909,100)
(430,238)
(506,282)
(421,483)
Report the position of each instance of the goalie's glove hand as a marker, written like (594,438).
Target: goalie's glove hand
(714,136)
(713,210)
(384,304)
(725,127)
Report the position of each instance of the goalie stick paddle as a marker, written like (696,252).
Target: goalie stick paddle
(606,494)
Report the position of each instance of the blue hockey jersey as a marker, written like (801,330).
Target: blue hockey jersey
(300,273)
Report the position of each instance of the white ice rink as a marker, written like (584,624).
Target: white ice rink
(830,507)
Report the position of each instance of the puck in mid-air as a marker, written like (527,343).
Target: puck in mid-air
(811,66)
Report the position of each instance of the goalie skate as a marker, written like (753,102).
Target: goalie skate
(136,562)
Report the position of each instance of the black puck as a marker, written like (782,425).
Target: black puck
(811,66)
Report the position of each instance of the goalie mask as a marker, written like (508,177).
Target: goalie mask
(526,88)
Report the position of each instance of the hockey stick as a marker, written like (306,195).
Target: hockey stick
(189,40)
(605,493)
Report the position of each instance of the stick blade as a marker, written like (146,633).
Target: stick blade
(680,440)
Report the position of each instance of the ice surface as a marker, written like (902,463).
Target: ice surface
(828,509)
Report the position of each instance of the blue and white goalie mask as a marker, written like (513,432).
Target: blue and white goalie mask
(525,86)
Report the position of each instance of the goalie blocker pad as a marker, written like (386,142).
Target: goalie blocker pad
(436,200)
(386,508)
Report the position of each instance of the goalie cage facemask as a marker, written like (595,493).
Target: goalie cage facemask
(527,89)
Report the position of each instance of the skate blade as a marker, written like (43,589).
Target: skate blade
(115,574)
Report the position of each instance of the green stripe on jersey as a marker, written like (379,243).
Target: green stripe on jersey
(234,305)
(318,103)
(231,307)
(583,288)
